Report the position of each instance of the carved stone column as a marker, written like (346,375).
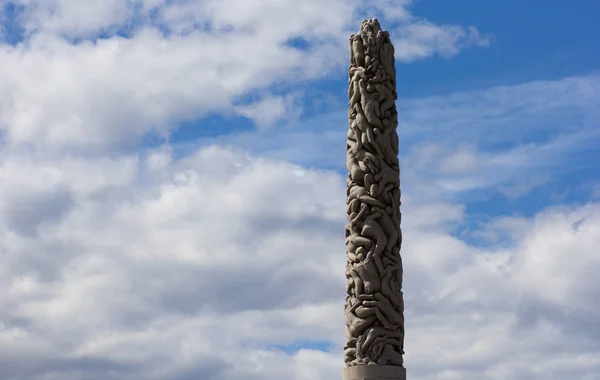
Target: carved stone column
(374,306)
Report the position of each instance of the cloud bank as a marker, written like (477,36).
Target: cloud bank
(226,262)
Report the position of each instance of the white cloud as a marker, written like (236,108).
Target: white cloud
(198,250)
(165,268)
(495,313)
(422,39)
(74,18)
(115,91)
(270,110)
(104,94)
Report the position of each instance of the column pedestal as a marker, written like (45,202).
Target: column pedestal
(374,372)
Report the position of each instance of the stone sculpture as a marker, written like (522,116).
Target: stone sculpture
(374,307)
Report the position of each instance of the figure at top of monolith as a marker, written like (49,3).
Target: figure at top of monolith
(374,309)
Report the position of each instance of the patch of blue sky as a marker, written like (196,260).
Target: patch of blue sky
(299,43)
(11,30)
(532,40)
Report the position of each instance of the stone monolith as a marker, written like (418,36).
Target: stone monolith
(374,309)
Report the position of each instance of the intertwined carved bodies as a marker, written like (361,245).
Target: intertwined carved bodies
(374,305)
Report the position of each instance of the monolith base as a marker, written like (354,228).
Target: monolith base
(374,372)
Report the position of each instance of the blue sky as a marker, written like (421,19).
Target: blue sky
(172,187)
(533,40)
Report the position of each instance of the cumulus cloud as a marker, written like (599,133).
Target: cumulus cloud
(270,110)
(73,18)
(98,76)
(206,266)
(170,261)
(422,39)
(513,310)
